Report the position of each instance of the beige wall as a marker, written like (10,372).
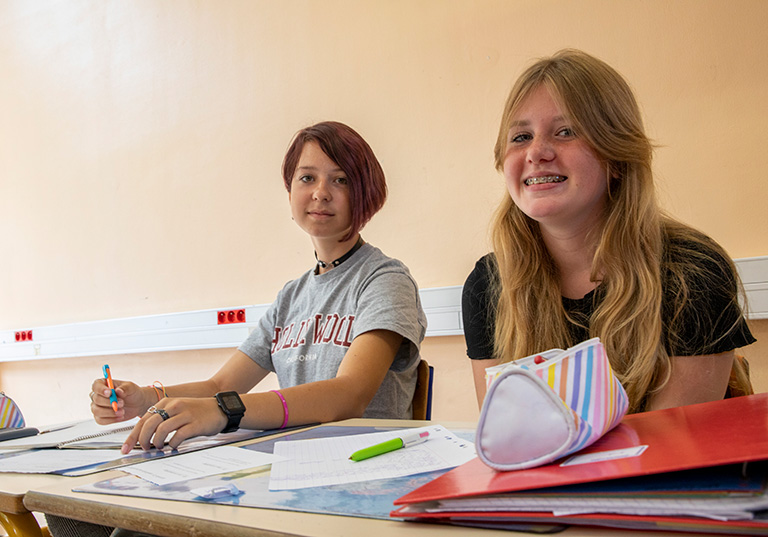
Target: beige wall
(141,141)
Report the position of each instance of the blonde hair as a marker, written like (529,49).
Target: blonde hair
(630,247)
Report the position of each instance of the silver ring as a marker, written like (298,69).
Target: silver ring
(159,411)
(91,396)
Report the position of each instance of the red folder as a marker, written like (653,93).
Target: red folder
(695,436)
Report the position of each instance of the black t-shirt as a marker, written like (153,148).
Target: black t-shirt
(711,322)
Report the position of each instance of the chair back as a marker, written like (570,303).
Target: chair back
(739,383)
(422,397)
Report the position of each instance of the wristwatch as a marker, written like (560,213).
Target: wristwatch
(233,407)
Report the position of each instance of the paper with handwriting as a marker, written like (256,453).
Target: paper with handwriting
(325,461)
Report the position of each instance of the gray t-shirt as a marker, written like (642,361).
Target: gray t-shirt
(306,332)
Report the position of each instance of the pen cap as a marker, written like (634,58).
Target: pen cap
(414,438)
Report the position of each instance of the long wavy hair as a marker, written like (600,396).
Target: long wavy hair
(631,247)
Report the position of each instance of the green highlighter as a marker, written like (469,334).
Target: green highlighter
(404,441)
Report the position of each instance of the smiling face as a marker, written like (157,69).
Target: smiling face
(552,175)
(319,196)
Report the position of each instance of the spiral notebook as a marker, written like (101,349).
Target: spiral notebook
(79,435)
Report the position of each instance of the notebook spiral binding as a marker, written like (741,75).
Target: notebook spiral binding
(95,435)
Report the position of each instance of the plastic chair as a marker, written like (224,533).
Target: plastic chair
(422,397)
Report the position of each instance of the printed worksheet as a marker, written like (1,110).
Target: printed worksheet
(199,464)
(325,461)
(47,461)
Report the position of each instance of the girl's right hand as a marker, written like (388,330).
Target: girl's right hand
(132,401)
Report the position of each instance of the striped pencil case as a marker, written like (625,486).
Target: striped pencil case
(547,406)
(10,415)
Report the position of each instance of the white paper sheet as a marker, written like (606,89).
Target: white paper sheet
(201,463)
(325,461)
(610,455)
(736,506)
(44,461)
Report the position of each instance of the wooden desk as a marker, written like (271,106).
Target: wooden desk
(14,517)
(53,495)
(184,519)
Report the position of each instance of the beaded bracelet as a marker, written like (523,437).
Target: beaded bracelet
(158,389)
(285,408)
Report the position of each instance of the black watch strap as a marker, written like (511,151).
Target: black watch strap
(233,408)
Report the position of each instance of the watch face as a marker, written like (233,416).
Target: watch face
(232,402)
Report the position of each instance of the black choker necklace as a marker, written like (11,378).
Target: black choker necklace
(340,260)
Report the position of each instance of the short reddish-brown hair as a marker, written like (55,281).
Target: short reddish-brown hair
(351,153)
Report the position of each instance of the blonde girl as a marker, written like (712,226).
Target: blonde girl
(582,249)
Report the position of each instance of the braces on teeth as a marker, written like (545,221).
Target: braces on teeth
(545,179)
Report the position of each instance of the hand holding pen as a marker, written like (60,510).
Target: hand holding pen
(129,399)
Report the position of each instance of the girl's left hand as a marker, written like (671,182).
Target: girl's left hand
(188,417)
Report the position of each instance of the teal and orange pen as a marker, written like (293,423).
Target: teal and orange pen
(113,395)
